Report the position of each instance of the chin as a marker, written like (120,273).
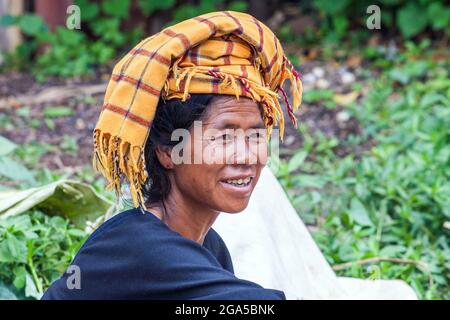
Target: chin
(235,208)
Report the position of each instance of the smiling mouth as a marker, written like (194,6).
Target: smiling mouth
(239,182)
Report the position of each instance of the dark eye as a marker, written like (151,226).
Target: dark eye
(254,136)
(226,138)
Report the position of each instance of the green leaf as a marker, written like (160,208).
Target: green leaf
(20,277)
(340,24)
(15,171)
(309,181)
(31,24)
(31,289)
(359,213)
(77,233)
(238,6)
(89,10)
(117,8)
(399,75)
(54,112)
(431,99)
(5,254)
(393,251)
(148,7)
(12,250)
(297,161)
(438,15)
(7,20)
(23,112)
(6,294)
(331,7)
(411,20)
(78,202)
(6,146)
(50,124)
(316,95)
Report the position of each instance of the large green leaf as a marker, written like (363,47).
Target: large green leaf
(6,293)
(13,170)
(6,146)
(148,7)
(411,20)
(116,8)
(331,7)
(359,213)
(31,24)
(89,10)
(74,200)
(439,15)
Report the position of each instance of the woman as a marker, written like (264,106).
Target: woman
(217,74)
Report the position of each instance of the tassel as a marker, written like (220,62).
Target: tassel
(188,81)
(165,91)
(296,84)
(235,87)
(289,107)
(230,80)
(115,158)
(268,98)
(174,68)
(180,77)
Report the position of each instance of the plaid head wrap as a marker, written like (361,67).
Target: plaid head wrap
(222,52)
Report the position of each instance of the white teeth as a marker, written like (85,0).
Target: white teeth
(240,181)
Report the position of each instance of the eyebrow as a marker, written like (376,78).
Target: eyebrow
(235,126)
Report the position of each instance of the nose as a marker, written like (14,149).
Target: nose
(242,152)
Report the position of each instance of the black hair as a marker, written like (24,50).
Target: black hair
(170,115)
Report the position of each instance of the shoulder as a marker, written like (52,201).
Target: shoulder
(140,235)
(124,224)
(134,256)
(128,249)
(141,239)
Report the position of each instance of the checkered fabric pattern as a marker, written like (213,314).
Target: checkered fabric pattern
(224,52)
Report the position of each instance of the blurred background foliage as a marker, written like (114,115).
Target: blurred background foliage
(368,169)
(109,27)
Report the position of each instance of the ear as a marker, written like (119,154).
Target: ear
(164,156)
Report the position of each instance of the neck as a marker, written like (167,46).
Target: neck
(190,219)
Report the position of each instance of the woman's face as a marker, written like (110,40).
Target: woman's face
(226,158)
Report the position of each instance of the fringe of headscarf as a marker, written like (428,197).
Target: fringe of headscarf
(123,159)
(273,113)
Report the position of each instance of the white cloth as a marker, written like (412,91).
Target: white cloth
(270,245)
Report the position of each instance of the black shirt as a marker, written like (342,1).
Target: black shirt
(134,255)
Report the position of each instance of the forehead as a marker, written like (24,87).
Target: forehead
(227,111)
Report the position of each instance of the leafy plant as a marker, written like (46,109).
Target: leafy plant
(73,52)
(35,250)
(388,206)
(9,168)
(335,18)
(415,16)
(68,53)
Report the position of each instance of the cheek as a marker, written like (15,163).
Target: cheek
(197,180)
